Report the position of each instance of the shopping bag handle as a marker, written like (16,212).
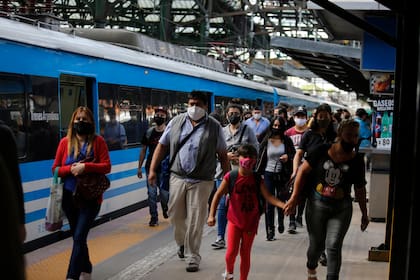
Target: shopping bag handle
(55,178)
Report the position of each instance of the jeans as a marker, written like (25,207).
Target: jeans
(221,214)
(327,224)
(152,192)
(274,188)
(81,218)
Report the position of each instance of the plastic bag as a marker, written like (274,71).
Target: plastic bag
(54,213)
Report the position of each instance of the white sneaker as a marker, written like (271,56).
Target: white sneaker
(85,276)
(227,276)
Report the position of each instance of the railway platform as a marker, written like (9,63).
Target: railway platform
(127,248)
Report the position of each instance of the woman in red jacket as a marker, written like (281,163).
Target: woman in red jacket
(80,152)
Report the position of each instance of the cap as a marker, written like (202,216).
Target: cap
(257,108)
(301,110)
(361,112)
(161,109)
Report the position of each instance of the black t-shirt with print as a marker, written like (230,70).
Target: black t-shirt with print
(335,175)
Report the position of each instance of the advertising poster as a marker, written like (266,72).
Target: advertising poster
(382,83)
(382,119)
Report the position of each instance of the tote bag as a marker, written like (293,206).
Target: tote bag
(54,213)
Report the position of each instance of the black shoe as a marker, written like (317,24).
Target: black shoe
(270,235)
(323,259)
(192,267)
(181,252)
(153,222)
(165,214)
(281,228)
(292,228)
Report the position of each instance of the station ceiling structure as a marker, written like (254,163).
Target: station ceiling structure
(323,36)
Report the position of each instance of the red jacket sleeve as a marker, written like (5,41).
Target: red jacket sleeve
(60,159)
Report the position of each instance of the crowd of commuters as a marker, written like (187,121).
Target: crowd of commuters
(188,162)
(284,148)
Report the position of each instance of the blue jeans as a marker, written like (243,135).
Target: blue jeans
(81,218)
(152,192)
(327,224)
(221,214)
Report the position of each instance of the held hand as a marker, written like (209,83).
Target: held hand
(365,222)
(211,221)
(77,168)
(289,207)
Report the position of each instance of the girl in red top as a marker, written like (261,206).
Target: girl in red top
(243,213)
(81,143)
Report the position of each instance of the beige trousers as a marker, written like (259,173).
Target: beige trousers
(188,213)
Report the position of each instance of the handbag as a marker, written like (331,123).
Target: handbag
(54,212)
(91,186)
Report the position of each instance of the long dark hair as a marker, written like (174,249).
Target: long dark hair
(330,133)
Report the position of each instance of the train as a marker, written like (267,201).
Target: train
(46,73)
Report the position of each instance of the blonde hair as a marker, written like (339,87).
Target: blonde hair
(73,143)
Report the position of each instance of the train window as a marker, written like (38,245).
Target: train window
(43,118)
(75,91)
(29,106)
(134,111)
(12,110)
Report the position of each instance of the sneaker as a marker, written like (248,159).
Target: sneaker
(227,276)
(323,259)
(219,244)
(281,228)
(299,221)
(292,228)
(153,222)
(271,237)
(181,252)
(192,267)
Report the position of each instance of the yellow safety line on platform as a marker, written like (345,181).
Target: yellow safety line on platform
(100,249)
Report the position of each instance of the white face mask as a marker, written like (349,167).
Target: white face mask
(257,116)
(195,113)
(300,122)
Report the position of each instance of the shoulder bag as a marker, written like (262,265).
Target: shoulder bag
(91,186)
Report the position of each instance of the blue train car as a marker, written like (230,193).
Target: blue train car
(46,74)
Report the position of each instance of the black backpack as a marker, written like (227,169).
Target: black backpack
(261,201)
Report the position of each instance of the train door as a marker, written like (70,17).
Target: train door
(75,91)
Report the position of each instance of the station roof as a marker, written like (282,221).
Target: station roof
(334,61)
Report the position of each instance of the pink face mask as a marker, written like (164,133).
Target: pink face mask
(247,163)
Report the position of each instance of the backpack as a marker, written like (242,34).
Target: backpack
(232,180)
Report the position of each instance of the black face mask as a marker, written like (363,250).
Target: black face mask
(347,147)
(159,120)
(83,128)
(276,131)
(234,119)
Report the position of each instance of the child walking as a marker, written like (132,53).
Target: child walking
(243,211)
